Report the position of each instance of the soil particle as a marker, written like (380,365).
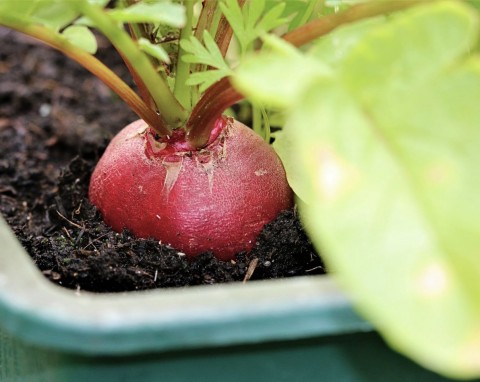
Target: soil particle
(55,121)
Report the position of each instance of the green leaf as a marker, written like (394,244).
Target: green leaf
(383,152)
(400,190)
(253,11)
(206,55)
(85,21)
(163,12)
(286,148)
(153,50)
(54,14)
(337,5)
(205,79)
(264,79)
(233,13)
(272,19)
(100,3)
(474,3)
(209,55)
(304,11)
(394,176)
(432,53)
(251,22)
(328,49)
(261,121)
(15,7)
(81,37)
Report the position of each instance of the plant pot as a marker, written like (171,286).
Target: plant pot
(295,329)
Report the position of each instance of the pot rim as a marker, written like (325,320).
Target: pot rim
(39,312)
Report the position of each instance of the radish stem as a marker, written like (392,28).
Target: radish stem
(181,90)
(170,109)
(90,63)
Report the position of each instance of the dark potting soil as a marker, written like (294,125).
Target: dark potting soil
(55,121)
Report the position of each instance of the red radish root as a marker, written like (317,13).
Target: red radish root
(215,199)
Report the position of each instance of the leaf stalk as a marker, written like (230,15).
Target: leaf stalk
(170,109)
(90,63)
(181,89)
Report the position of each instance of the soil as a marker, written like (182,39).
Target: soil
(55,121)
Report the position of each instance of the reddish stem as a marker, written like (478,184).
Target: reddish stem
(142,89)
(209,109)
(320,27)
(136,32)
(206,18)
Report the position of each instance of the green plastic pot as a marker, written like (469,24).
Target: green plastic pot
(299,329)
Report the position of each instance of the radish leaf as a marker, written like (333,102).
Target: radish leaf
(205,79)
(251,22)
(153,50)
(303,11)
(259,76)
(384,154)
(54,14)
(164,12)
(81,37)
(396,140)
(208,54)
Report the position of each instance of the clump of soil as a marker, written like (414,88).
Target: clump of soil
(55,121)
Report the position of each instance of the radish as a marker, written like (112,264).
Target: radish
(216,199)
(183,174)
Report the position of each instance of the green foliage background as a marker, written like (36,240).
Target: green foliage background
(382,147)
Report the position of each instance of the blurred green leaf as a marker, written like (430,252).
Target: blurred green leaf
(305,11)
(100,3)
(474,3)
(286,147)
(405,207)
(263,77)
(16,7)
(433,51)
(395,153)
(54,14)
(333,48)
(383,152)
(153,50)
(81,37)
(164,12)
(205,79)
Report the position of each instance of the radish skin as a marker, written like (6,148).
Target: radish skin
(212,200)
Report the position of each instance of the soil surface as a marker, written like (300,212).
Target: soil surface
(55,121)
